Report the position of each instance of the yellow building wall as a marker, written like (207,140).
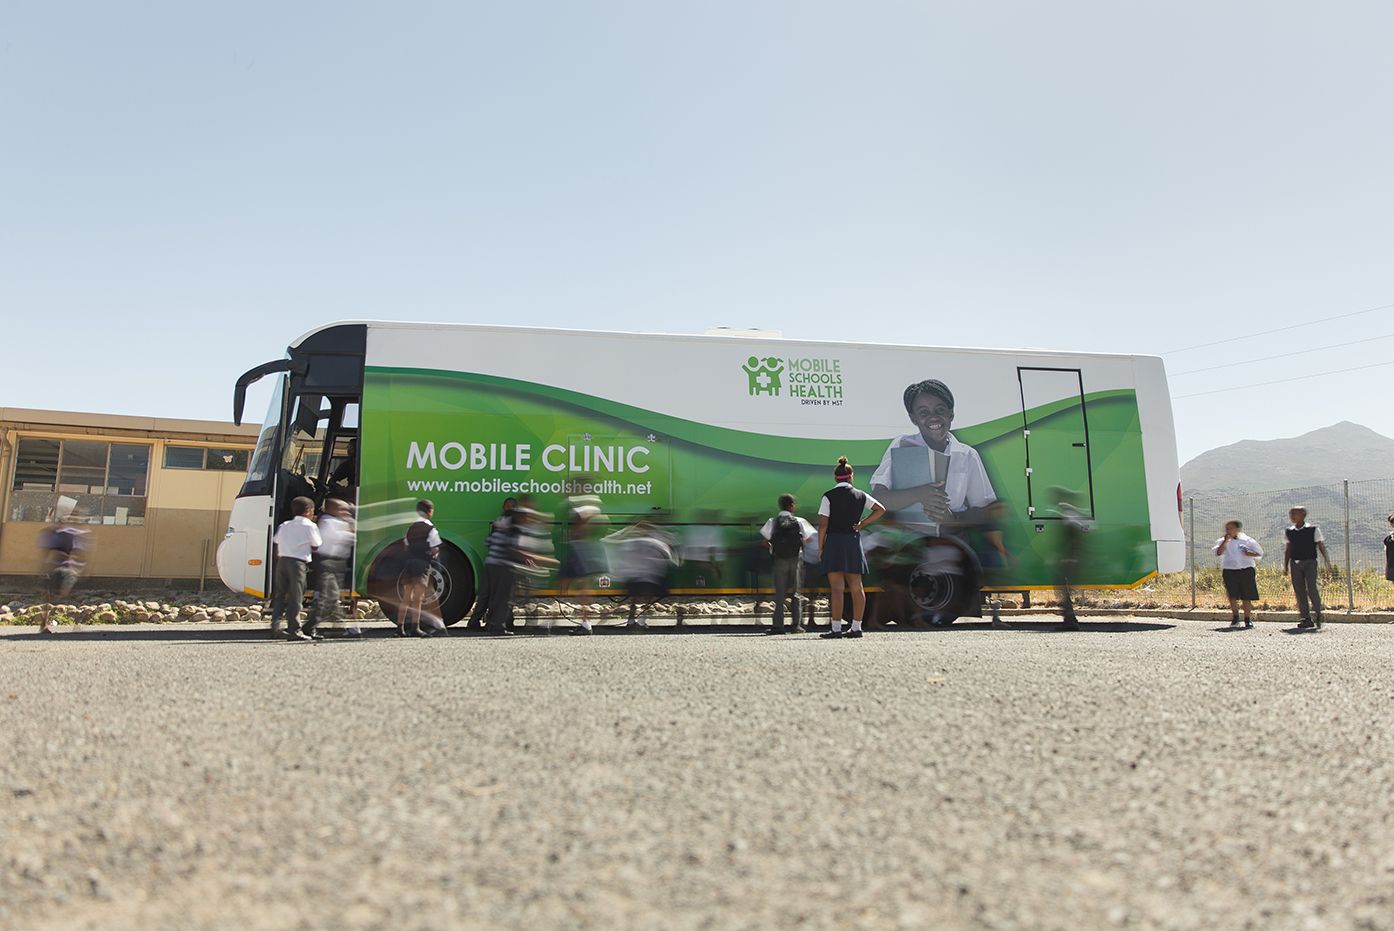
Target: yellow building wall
(185,518)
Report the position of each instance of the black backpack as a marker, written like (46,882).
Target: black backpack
(419,540)
(786,538)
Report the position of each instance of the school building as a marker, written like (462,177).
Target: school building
(153,492)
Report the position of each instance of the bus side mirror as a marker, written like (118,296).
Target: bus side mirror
(251,376)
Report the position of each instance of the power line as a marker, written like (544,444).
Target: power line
(1280,381)
(1281,329)
(1282,355)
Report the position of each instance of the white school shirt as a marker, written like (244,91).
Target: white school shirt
(805,528)
(966,485)
(297,538)
(1234,556)
(337,535)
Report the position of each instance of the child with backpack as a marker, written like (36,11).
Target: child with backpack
(785,534)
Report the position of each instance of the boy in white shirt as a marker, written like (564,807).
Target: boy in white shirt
(1239,553)
(296,541)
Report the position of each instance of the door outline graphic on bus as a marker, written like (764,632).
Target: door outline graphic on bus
(1054,440)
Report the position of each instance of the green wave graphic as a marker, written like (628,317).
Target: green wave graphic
(781,449)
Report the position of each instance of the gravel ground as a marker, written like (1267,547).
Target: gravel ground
(1136,774)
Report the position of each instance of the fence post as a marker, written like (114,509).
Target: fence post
(1191,548)
(1350,583)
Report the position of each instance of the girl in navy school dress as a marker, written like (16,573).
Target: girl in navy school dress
(840,522)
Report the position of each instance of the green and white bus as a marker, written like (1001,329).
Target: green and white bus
(699,435)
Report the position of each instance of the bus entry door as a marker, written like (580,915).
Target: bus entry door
(1056,431)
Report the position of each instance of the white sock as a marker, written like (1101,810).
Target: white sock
(837,625)
(857,626)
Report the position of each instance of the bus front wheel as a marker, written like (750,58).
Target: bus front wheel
(451,583)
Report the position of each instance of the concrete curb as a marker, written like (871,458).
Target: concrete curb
(1210,614)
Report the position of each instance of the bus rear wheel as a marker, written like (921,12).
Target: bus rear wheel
(944,585)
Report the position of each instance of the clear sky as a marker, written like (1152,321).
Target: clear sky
(186,187)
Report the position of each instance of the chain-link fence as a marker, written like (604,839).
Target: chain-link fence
(1353,517)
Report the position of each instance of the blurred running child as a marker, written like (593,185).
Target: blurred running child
(1074,526)
(517,553)
(582,556)
(423,546)
(64,548)
(643,562)
(329,564)
(495,539)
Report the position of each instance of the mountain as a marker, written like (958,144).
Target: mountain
(1342,451)
(1256,481)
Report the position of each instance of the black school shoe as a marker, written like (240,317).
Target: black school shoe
(832,635)
(853,634)
(1305,623)
(1248,625)
(1234,621)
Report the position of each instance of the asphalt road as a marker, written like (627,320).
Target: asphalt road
(1132,775)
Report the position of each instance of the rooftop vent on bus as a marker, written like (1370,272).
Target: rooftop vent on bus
(744,333)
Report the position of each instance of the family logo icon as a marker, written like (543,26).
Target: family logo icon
(765,375)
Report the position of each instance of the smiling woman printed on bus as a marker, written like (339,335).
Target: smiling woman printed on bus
(964,496)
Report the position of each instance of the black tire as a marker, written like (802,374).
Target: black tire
(945,585)
(452,582)
(452,579)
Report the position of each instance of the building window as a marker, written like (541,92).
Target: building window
(228,460)
(87,481)
(130,466)
(183,457)
(82,468)
(36,464)
(213,460)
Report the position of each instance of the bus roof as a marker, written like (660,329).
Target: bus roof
(736,336)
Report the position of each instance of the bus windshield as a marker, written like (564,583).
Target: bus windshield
(263,459)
